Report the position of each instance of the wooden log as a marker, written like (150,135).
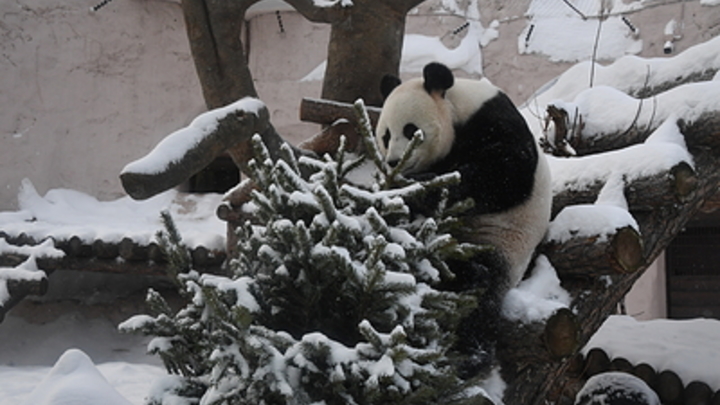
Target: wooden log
(670,388)
(646,373)
(20,288)
(203,258)
(131,251)
(112,266)
(105,250)
(561,333)
(8,259)
(641,122)
(621,253)
(716,398)
(156,253)
(596,362)
(326,112)
(328,141)
(235,128)
(621,364)
(200,256)
(560,145)
(23,287)
(674,186)
(75,247)
(576,365)
(698,393)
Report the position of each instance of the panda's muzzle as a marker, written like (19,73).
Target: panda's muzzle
(392,162)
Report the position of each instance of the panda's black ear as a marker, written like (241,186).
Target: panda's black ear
(438,77)
(388,84)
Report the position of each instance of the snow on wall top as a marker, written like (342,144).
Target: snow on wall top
(63,213)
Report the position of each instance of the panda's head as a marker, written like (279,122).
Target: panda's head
(418,104)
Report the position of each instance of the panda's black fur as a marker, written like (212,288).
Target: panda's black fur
(472,127)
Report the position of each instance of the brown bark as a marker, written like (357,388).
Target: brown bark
(620,253)
(670,388)
(646,373)
(327,111)
(214,30)
(365,44)
(697,393)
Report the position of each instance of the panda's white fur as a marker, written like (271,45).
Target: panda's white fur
(514,230)
(517,231)
(434,113)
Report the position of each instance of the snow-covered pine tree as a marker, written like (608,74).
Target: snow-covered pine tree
(332,298)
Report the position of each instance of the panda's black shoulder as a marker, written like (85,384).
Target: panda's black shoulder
(496,155)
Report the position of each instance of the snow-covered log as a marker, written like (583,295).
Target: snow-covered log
(188,150)
(672,186)
(531,379)
(594,256)
(602,119)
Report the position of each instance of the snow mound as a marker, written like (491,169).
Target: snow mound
(74,380)
(616,388)
(537,297)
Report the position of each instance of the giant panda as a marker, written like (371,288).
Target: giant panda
(472,127)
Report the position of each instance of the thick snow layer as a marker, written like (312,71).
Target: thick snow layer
(537,297)
(689,348)
(174,146)
(63,213)
(589,220)
(616,388)
(605,109)
(664,149)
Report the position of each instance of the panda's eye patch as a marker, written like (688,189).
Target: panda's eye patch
(386,138)
(409,130)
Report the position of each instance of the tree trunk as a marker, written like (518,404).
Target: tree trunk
(362,49)
(214,29)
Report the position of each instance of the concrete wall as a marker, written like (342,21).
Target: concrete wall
(82,94)
(648,297)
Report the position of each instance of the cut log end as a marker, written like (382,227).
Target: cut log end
(596,362)
(686,180)
(619,253)
(627,250)
(561,333)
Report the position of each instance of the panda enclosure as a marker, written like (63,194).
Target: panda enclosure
(536,357)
